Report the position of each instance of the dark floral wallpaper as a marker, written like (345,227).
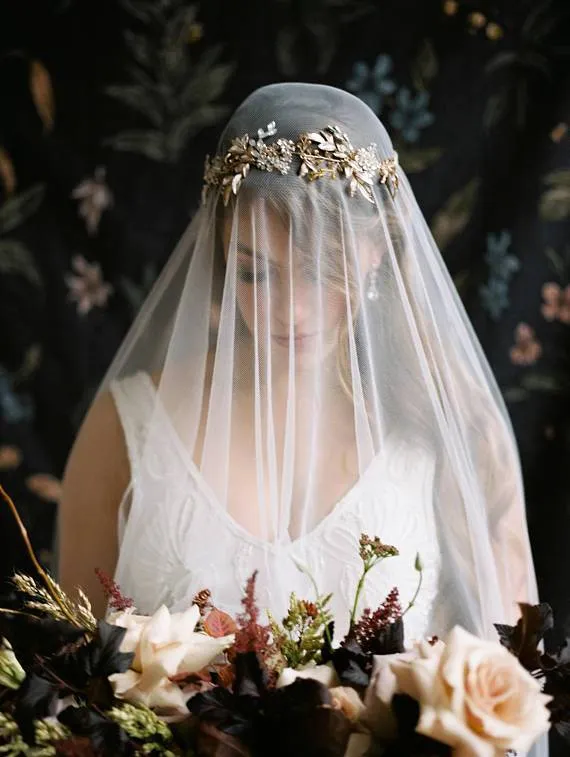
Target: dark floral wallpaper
(107,109)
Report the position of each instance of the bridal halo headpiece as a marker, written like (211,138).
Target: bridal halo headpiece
(328,153)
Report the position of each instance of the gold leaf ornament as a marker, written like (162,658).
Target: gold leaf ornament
(41,90)
(324,154)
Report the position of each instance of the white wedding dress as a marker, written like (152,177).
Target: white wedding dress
(194,544)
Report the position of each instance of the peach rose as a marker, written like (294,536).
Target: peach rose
(475,696)
(348,702)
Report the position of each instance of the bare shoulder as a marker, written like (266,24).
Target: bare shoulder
(100,443)
(95,481)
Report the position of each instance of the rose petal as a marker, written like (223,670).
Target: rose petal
(202,650)
(124,682)
(325,674)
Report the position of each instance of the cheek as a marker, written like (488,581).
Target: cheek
(245,303)
(335,309)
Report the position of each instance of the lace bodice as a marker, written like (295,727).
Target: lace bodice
(177,539)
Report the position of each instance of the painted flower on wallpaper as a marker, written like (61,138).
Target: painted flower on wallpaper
(556,305)
(45,486)
(526,349)
(411,114)
(495,297)
(501,263)
(502,266)
(372,83)
(10,457)
(86,285)
(14,407)
(95,197)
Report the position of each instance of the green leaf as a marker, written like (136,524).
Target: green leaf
(455,214)
(142,11)
(149,143)
(558,178)
(460,280)
(556,263)
(190,125)
(20,207)
(516,394)
(16,259)
(30,364)
(506,58)
(206,84)
(137,98)
(176,31)
(139,48)
(416,160)
(555,202)
(495,109)
(425,67)
(550,383)
(140,76)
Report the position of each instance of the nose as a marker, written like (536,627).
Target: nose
(294,301)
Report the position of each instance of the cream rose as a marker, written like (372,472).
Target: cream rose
(474,696)
(324,674)
(378,716)
(165,646)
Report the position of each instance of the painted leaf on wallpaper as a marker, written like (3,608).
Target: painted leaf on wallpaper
(295,53)
(461,280)
(308,33)
(184,128)
(172,90)
(425,67)
(416,160)
(515,394)
(136,97)
(177,34)
(207,78)
(555,201)
(558,263)
(455,214)
(42,93)
(20,207)
(16,259)
(135,293)
(142,11)
(542,382)
(150,143)
(30,363)
(7,173)
(139,48)
(495,109)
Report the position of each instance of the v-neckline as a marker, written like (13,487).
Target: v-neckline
(273,546)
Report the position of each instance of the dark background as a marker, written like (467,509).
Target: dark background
(107,109)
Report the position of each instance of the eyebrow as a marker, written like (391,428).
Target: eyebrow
(245,250)
(248,252)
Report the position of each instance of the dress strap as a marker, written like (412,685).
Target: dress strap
(134,398)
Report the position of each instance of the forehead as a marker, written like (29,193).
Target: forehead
(258,230)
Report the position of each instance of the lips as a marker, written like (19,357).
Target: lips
(297,340)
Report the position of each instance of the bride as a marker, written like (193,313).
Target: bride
(302,373)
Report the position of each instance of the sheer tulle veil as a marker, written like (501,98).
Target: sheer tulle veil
(303,323)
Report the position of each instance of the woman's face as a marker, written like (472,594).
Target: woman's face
(284,295)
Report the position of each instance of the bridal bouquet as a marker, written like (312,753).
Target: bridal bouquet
(203,683)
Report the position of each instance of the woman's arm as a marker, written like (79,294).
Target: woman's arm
(96,478)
